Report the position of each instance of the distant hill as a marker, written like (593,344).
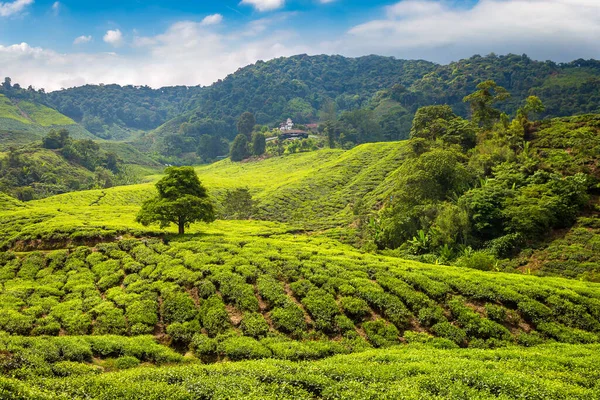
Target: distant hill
(301,87)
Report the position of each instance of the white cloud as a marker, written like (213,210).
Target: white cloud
(187,53)
(11,8)
(82,39)
(56,7)
(113,37)
(264,5)
(191,53)
(544,29)
(214,19)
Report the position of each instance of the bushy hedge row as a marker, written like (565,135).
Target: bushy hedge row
(306,288)
(428,368)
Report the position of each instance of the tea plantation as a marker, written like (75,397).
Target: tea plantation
(95,305)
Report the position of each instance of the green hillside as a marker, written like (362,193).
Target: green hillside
(23,122)
(8,110)
(86,293)
(282,305)
(253,290)
(43,115)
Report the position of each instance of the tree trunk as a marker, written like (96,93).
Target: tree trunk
(181,226)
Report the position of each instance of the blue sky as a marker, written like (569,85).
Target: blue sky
(54,44)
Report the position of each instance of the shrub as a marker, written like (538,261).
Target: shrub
(495,312)
(77,323)
(565,334)
(126,362)
(14,322)
(202,345)
(289,318)
(183,332)
(46,326)
(480,260)
(322,307)
(254,325)
(449,331)
(534,311)
(235,289)
(271,291)
(356,308)
(243,348)
(178,307)
(109,320)
(394,310)
(74,349)
(70,368)
(214,316)
(430,316)
(529,339)
(205,289)
(346,290)
(344,324)
(380,333)
(142,312)
(424,338)
(301,288)
(140,329)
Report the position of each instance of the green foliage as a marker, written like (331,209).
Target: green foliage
(480,260)
(213,315)
(254,325)
(56,139)
(243,348)
(356,308)
(258,144)
(126,362)
(183,332)
(245,124)
(239,148)
(181,200)
(381,334)
(289,318)
(178,307)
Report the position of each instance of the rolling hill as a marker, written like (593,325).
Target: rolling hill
(23,122)
(87,293)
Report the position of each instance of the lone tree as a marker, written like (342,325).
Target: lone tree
(181,200)
(245,124)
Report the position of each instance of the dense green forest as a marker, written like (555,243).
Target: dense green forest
(374,98)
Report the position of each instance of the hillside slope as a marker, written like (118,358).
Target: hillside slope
(22,122)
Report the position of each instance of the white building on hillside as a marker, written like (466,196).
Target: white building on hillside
(287,126)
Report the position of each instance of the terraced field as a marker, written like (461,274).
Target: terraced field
(86,293)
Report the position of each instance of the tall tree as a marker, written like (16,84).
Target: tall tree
(259,144)
(245,124)
(181,200)
(239,148)
(488,93)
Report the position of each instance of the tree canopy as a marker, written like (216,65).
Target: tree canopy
(181,200)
